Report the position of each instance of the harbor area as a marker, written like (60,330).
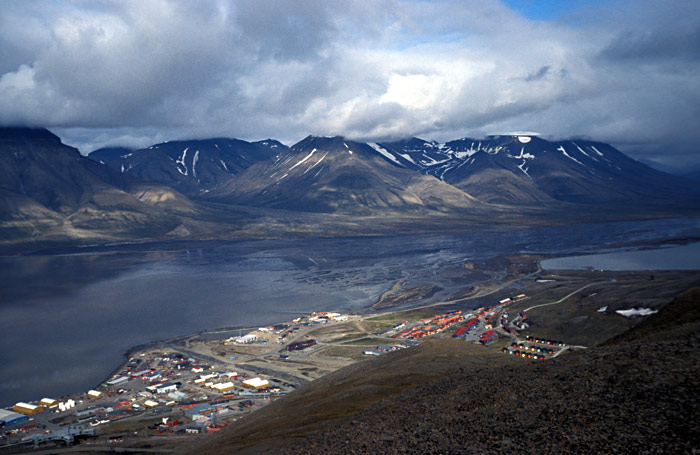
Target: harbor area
(196,385)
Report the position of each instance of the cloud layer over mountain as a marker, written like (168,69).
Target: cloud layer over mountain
(136,72)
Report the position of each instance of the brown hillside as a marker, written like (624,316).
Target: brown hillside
(637,395)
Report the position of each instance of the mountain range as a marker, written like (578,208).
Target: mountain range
(323,174)
(530,170)
(331,174)
(50,191)
(191,167)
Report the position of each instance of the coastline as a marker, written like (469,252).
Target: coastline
(642,243)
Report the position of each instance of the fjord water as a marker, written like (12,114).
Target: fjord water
(67,318)
(682,257)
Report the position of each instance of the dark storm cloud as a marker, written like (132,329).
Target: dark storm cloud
(539,74)
(139,72)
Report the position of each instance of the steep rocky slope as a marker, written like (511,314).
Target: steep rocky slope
(49,191)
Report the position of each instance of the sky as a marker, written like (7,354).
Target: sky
(138,72)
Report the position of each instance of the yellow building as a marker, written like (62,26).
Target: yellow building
(27,409)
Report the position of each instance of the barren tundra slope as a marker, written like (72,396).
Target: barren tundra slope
(634,394)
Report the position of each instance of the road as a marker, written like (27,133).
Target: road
(493,291)
(562,299)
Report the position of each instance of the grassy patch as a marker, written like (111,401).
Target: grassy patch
(344,352)
(348,337)
(367,341)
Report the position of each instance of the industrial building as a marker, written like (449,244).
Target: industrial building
(8,418)
(48,402)
(162,388)
(27,409)
(300,345)
(223,387)
(256,383)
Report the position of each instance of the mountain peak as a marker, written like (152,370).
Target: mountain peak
(16,133)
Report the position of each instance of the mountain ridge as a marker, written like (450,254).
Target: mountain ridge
(328,174)
(532,170)
(190,166)
(49,191)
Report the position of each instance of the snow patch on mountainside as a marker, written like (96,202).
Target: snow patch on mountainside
(407,157)
(314,165)
(563,150)
(384,152)
(194,164)
(523,155)
(636,312)
(522,167)
(304,160)
(181,162)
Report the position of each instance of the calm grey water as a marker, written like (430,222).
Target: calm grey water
(684,257)
(67,319)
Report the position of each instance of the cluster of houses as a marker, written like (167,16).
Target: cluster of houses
(537,349)
(546,341)
(524,354)
(429,326)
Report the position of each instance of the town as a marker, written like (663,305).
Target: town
(196,385)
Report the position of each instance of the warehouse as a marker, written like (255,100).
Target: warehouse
(299,345)
(177,395)
(256,383)
(117,380)
(247,339)
(162,388)
(223,387)
(8,418)
(27,409)
(48,402)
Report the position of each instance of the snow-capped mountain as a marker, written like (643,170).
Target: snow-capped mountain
(328,174)
(527,169)
(414,153)
(192,167)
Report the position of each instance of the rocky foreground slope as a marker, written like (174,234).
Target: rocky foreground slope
(635,394)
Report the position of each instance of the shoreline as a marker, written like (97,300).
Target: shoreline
(643,244)
(346,341)
(639,246)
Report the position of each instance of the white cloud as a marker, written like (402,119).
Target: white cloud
(391,68)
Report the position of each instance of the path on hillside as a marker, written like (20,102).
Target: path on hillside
(562,299)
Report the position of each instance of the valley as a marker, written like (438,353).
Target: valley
(580,309)
(564,306)
(242,277)
(229,189)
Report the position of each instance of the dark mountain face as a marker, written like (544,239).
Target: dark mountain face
(109,154)
(46,186)
(527,169)
(323,174)
(693,175)
(37,165)
(192,167)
